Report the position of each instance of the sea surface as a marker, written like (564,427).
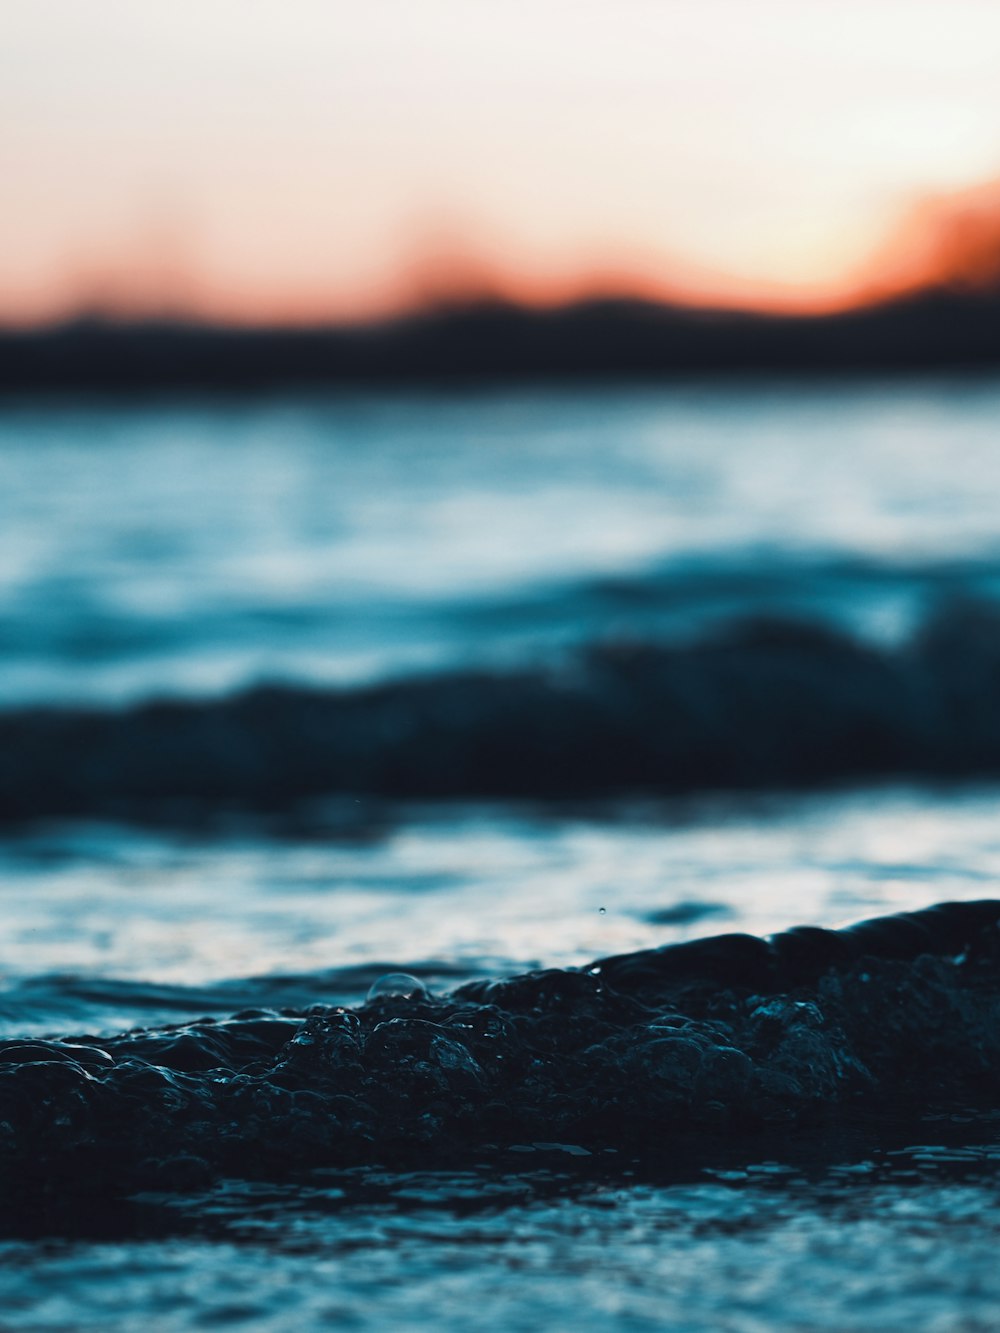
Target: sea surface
(193,551)
(188,550)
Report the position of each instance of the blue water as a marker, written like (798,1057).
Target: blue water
(189,550)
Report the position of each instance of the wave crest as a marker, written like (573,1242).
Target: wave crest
(638,1053)
(765,703)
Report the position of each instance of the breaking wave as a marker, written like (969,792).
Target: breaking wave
(761,703)
(643,1052)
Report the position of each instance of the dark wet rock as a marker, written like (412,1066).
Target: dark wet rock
(720,1036)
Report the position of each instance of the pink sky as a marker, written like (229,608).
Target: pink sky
(308,159)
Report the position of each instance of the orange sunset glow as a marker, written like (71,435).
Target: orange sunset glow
(353,164)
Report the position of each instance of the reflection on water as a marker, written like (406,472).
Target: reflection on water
(108,926)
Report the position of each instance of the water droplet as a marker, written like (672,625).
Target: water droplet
(397,984)
(602,910)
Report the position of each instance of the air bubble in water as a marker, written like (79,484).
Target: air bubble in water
(397,985)
(602,910)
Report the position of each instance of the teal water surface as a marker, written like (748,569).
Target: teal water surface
(192,549)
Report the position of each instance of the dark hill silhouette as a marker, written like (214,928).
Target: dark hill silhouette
(928,300)
(937,329)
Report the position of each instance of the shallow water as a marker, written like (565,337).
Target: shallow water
(187,550)
(895,1239)
(110,926)
(839,1228)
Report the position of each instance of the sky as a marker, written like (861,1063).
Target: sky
(289,160)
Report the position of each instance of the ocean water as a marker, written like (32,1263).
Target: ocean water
(191,552)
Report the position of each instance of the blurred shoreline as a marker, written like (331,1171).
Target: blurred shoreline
(609,340)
